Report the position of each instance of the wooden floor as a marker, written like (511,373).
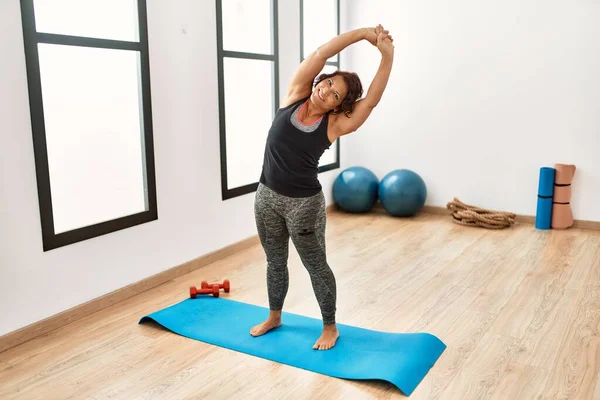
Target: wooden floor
(518,308)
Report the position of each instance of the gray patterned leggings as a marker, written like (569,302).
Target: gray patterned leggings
(303,219)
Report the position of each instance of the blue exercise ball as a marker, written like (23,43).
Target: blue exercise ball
(402,193)
(355,190)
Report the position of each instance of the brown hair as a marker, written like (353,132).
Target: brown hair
(355,90)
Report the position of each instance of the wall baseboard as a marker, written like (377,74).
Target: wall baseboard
(526,219)
(54,322)
(66,317)
(36,329)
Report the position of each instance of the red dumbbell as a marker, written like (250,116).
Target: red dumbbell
(194,291)
(225,285)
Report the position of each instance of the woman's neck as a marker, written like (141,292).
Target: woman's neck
(309,113)
(313,111)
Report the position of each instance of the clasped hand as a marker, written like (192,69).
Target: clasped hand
(381,39)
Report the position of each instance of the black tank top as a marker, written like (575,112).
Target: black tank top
(292,153)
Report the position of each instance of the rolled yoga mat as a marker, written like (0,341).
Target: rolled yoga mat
(402,359)
(562,214)
(543,216)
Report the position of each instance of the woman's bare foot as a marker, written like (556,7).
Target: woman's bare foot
(274,321)
(328,338)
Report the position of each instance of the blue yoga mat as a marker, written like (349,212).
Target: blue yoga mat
(402,359)
(543,216)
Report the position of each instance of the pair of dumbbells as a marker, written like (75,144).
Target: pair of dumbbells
(212,288)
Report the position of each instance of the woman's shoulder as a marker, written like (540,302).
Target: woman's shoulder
(295,98)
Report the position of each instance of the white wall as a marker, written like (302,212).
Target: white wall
(482,95)
(193,220)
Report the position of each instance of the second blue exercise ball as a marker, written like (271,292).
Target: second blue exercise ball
(402,193)
(355,189)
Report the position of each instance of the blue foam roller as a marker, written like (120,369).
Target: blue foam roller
(402,359)
(543,217)
(546,184)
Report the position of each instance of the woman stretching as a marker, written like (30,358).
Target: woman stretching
(289,200)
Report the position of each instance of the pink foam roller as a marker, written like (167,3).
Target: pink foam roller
(562,214)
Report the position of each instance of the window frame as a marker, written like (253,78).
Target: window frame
(226,192)
(336,163)
(31,38)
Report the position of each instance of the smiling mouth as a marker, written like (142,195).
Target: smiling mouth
(319,94)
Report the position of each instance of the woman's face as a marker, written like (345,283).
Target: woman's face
(330,92)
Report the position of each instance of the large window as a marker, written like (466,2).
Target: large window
(248,89)
(319,23)
(89,95)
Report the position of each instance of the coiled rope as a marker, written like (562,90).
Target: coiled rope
(465,214)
